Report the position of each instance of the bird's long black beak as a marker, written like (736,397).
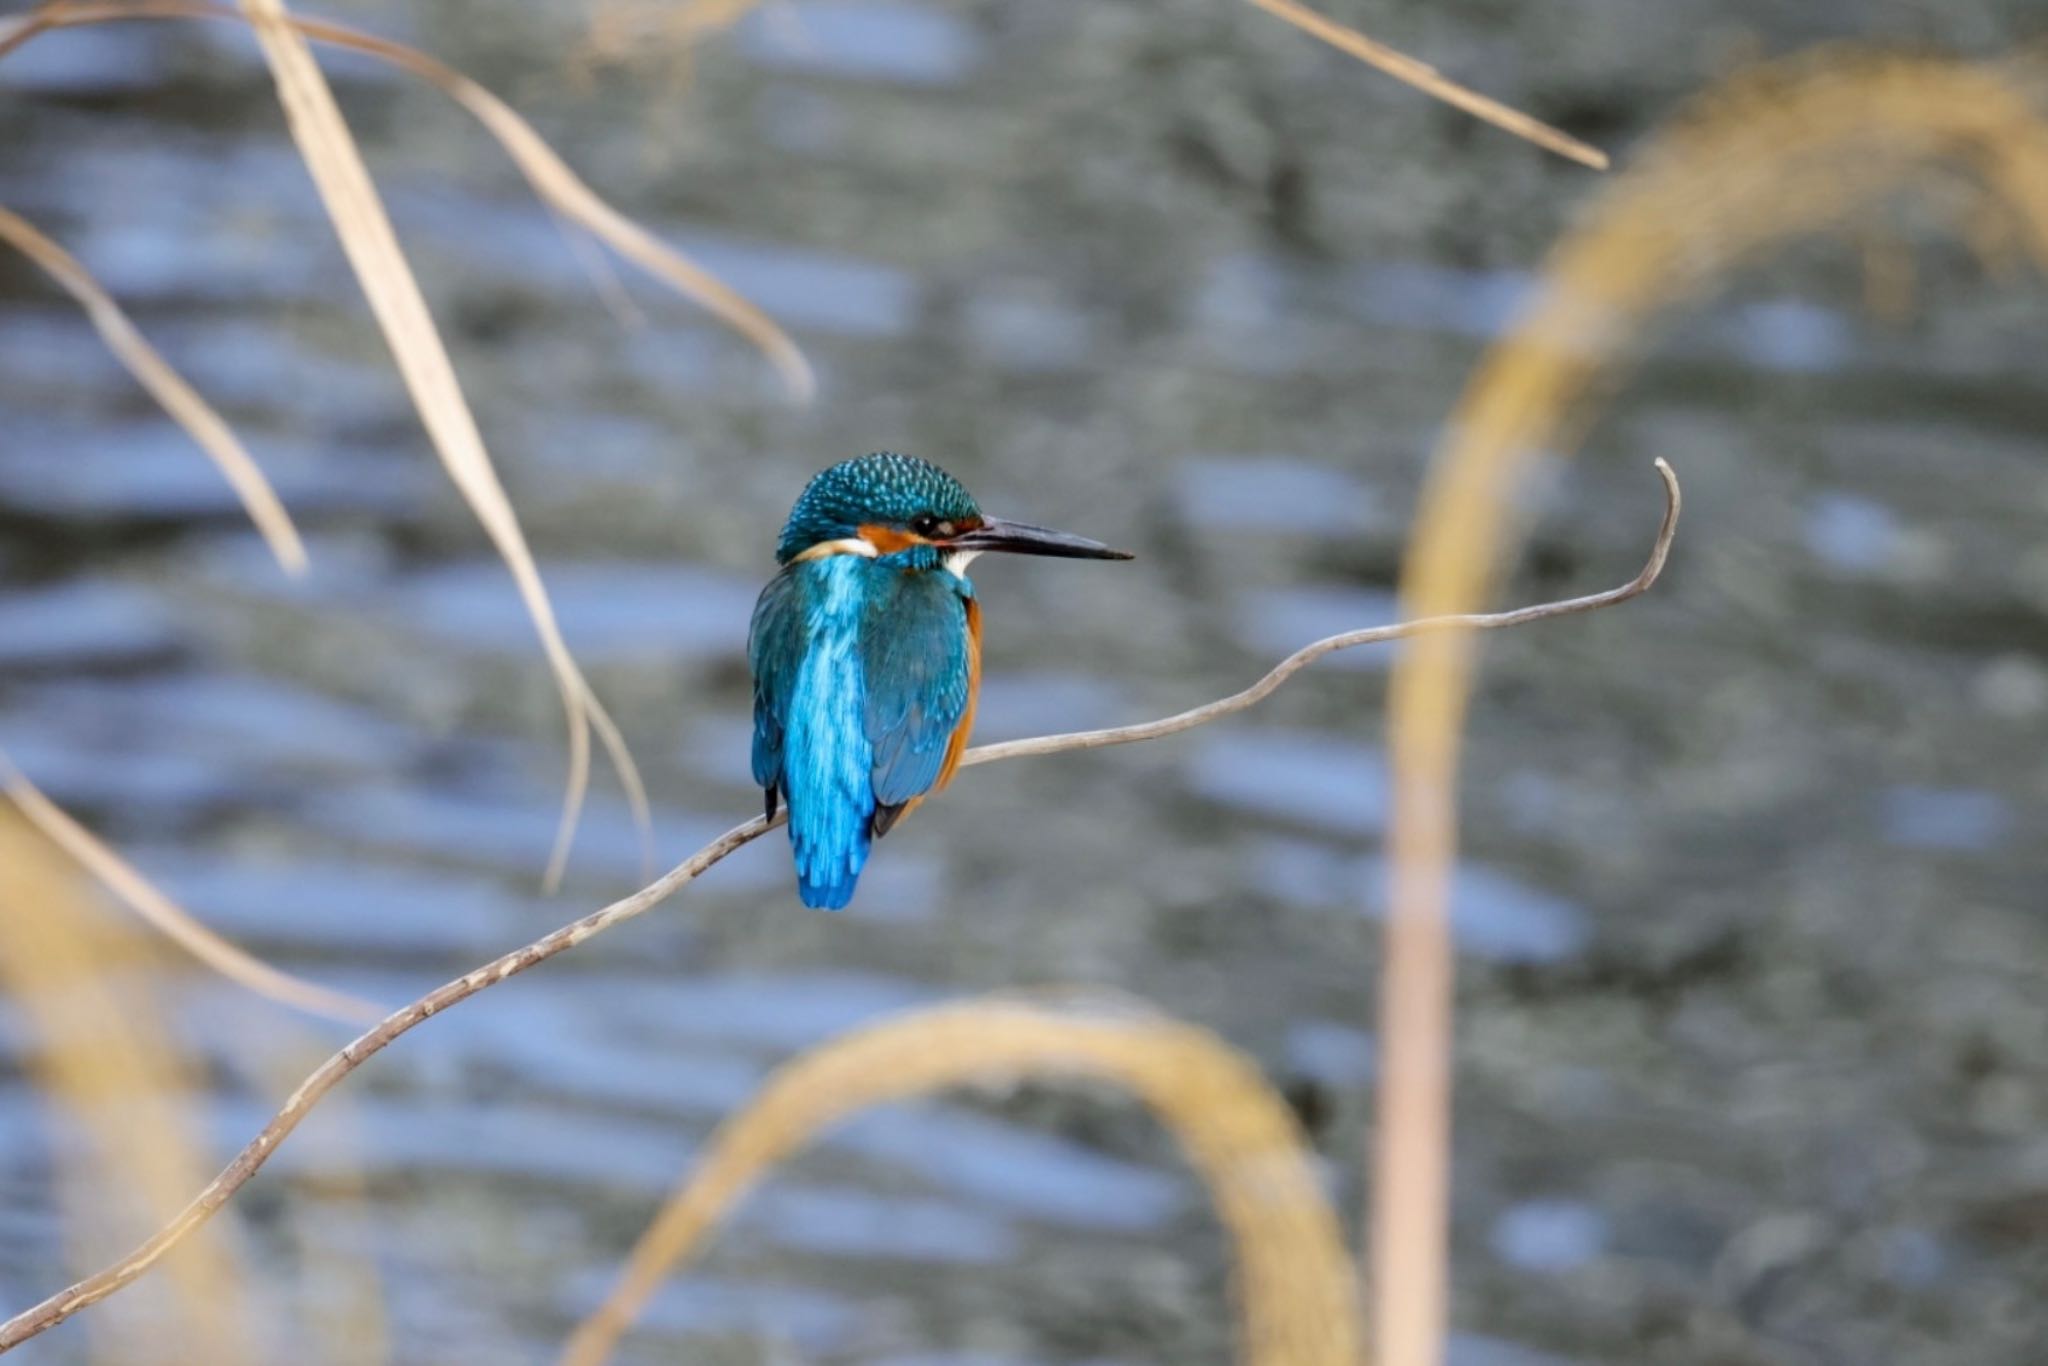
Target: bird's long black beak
(1021,538)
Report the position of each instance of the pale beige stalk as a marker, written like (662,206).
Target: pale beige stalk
(1788,150)
(167,387)
(558,186)
(103,1058)
(1434,83)
(394,296)
(172,920)
(616,25)
(1294,1281)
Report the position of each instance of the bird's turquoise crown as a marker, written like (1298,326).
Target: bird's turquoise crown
(884,487)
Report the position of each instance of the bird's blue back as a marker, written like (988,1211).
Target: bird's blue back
(862,673)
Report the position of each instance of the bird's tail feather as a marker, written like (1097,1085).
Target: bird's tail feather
(825,878)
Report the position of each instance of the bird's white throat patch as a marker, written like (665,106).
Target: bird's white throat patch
(852,545)
(955,562)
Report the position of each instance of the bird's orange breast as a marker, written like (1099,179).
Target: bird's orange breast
(957,746)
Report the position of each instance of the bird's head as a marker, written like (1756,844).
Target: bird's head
(884,503)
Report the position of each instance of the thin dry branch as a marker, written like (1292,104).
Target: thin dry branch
(1430,81)
(559,186)
(172,920)
(54,1310)
(1371,635)
(167,387)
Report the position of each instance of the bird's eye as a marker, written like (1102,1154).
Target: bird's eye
(924,524)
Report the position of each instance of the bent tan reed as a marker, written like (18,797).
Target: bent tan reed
(1295,1290)
(1787,150)
(101,1056)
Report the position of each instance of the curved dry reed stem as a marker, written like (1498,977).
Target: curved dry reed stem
(323,1079)
(167,387)
(246,1163)
(1789,150)
(698,19)
(1293,1275)
(317,123)
(687,24)
(567,195)
(560,187)
(102,1058)
(1434,83)
(367,239)
(172,920)
(614,742)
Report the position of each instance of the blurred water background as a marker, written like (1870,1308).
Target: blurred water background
(1753,1043)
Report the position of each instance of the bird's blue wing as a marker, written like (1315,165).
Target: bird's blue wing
(862,674)
(775,646)
(809,741)
(915,661)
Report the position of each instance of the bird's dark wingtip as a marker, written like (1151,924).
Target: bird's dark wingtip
(885,818)
(774,797)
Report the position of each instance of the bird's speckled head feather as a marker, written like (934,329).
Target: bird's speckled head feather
(884,488)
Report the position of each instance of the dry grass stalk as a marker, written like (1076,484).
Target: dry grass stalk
(1790,150)
(54,1310)
(1434,83)
(628,32)
(1293,1275)
(395,299)
(324,1078)
(621,28)
(172,920)
(100,1052)
(422,359)
(167,387)
(558,186)
(372,248)
(1890,279)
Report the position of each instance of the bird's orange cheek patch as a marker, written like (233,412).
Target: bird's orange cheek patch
(888,539)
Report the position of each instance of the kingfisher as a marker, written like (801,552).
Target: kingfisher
(866,652)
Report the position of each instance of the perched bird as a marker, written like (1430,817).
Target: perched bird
(866,651)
